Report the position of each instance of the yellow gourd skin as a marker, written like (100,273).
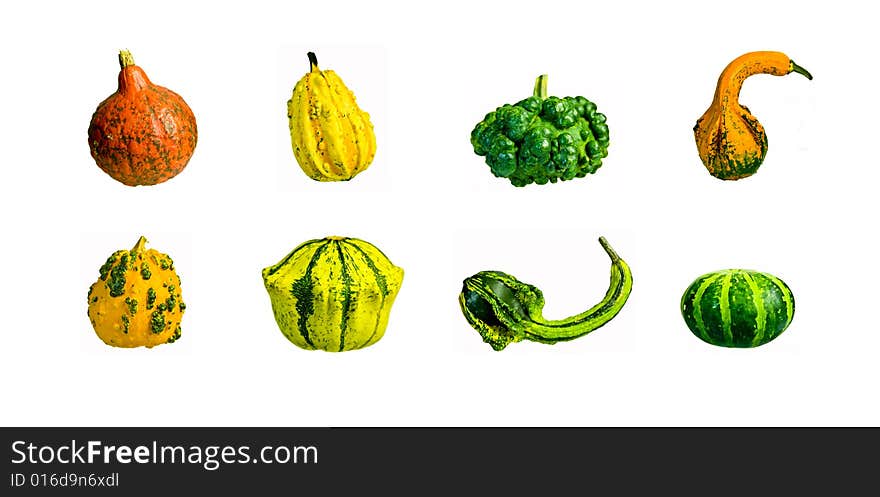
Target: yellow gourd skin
(730,140)
(137,299)
(332,138)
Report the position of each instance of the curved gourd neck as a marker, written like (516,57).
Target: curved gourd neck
(731,81)
(574,325)
(734,75)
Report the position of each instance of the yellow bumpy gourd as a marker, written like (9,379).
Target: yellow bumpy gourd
(333,294)
(137,300)
(332,138)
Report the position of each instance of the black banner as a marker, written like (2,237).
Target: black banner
(330,461)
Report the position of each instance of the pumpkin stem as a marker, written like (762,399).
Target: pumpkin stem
(541,87)
(125,59)
(800,70)
(313,62)
(139,246)
(610,251)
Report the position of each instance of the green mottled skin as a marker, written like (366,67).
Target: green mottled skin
(505,310)
(542,139)
(724,163)
(737,308)
(143,134)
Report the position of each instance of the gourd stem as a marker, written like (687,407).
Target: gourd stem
(139,246)
(125,59)
(800,70)
(610,251)
(313,61)
(541,87)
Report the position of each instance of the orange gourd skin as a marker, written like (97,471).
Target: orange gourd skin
(143,134)
(731,142)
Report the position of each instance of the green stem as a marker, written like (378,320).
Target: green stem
(313,61)
(125,59)
(800,70)
(541,87)
(610,251)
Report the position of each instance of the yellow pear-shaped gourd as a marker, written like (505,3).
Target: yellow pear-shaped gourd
(332,137)
(333,294)
(136,300)
(730,140)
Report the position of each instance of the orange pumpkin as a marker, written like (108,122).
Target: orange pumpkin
(143,134)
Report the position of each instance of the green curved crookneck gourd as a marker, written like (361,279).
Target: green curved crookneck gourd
(504,310)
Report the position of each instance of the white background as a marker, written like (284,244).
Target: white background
(427,74)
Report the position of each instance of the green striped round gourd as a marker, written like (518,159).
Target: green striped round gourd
(333,294)
(737,307)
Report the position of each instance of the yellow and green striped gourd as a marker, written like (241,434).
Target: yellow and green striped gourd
(333,294)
